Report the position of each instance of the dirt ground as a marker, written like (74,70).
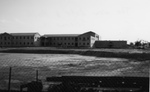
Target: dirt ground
(25,65)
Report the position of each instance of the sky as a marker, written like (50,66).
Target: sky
(111,19)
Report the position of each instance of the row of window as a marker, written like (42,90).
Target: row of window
(61,38)
(51,38)
(84,38)
(67,44)
(17,37)
(16,43)
(68,38)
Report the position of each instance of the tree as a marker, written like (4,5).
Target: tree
(138,43)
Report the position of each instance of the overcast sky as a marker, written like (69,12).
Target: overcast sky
(111,19)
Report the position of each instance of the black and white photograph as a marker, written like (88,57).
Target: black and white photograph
(74,45)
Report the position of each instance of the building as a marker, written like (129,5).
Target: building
(86,40)
(19,39)
(70,40)
(110,44)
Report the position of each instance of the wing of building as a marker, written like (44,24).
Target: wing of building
(70,40)
(19,39)
(111,44)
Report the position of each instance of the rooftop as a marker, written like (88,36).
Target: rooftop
(23,34)
(61,35)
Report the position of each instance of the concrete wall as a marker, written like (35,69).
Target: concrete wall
(110,44)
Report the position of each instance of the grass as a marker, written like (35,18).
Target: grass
(137,54)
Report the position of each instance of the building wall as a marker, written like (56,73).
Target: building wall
(23,41)
(110,44)
(87,39)
(94,39)
(8,40)
(37,41)
(59,41)
(5,40)
(84,40)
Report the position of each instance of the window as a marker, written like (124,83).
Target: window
(28,37)
(65,38)
(50,38)
(28,43)
(20,43)
(24,43)
(20,37)
(83,43)
(68,43)
(4,38)
(87,43)
(72,43)
(83,38)
(32,43)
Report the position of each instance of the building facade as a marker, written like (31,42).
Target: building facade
(70,40)
(110,44)
(19,39)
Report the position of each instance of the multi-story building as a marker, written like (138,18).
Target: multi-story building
(85,40)
(19,39)
(70,40)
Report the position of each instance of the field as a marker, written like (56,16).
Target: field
(24,66)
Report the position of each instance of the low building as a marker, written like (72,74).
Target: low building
(19,39)
(110,44)
(70,40)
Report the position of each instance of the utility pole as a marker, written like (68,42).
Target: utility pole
(9,82)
